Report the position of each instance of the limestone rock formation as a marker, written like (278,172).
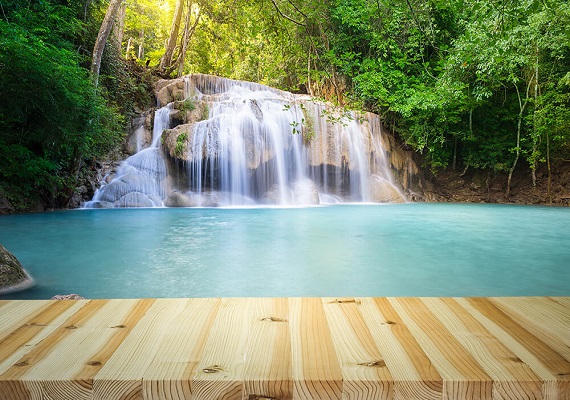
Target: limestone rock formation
(13,277)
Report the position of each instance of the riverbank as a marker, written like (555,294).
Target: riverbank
(475,186)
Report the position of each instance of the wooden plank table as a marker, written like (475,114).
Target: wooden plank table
(286,348)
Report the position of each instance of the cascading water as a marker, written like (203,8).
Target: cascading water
(140,181)
(239,143)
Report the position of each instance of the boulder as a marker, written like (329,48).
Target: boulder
(189,199)
(169,91)
(5,206)
(13,277)
(178,199)
(383,191)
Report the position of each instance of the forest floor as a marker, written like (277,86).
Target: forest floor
(490,187)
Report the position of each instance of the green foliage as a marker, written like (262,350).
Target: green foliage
(51,116)
(181,144)
(188,105)
(457,79)
(205,112)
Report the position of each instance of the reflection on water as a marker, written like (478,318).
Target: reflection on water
(345,250)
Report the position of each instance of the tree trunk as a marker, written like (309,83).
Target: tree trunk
(119,27)
(166,59)
(549,189)
(522,106)
(188,33)
(129,48)
(309,89)
(140,54)
(102,37)
(535,139)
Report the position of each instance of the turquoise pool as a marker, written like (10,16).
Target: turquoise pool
(413,249)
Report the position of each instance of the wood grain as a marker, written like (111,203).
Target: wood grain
(286,348)
(509,375)
(544,318)
(415,376)
(364,371)
(316,371)
(551,367)
(169,374)
(463,377)
(219,373)
(18,348)
(268,370)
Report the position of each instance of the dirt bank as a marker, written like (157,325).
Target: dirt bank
(490,187)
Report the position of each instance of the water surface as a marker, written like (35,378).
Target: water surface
(346,250)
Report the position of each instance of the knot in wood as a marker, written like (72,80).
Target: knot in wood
(35,324)
(21,364)
(379,363)
(71,327)
(94,363)
(344,301)
(213,369)
(119,326)
(260,397)
(389,323)
(273,319)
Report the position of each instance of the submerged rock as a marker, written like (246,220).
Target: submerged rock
(71,296)
(13,277)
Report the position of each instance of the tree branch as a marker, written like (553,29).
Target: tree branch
(285,16)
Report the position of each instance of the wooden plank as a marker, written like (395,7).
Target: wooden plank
(122,375)
(13,314)
(30,342)
(87,339)
(565,301)
(35,356)
(510,376)
(219,373)
(541,358)
(364,371)
(463,377)
(169,374)
(544,318)
(315,368)
(278,348)
(267,371)
(414,374)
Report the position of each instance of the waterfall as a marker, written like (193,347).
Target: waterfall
(140,181)
(238,143)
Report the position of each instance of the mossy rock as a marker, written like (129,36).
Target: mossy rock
(13,277)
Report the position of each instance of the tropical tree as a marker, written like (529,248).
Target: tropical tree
(102,36)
